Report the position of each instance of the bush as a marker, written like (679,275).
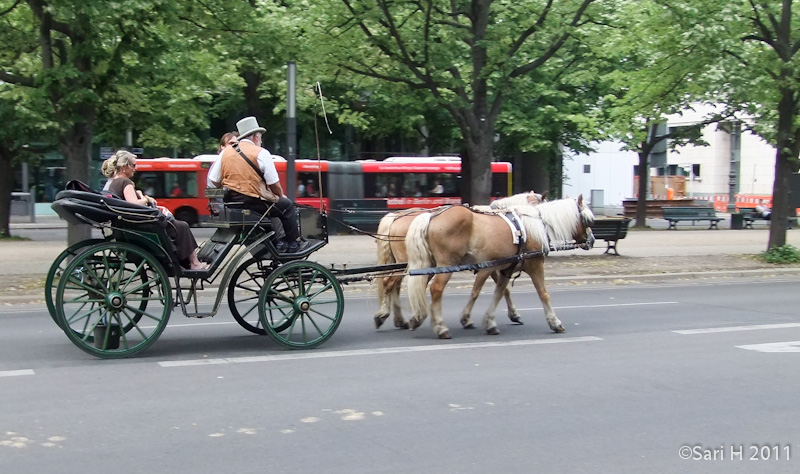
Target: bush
(785,254)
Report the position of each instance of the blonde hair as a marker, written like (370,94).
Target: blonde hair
(118,160)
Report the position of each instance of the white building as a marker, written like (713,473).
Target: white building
(706,168)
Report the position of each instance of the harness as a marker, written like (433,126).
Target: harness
(518,234)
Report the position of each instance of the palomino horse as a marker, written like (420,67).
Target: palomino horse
(459,236)
(392,249)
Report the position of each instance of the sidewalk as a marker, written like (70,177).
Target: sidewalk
(690,252)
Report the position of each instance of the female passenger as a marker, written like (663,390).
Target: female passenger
(120,169)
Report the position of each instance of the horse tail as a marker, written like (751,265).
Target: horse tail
(419,256)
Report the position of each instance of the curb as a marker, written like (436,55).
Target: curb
(209,293)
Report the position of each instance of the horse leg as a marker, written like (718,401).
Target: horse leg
(535,269)
(437,289)
(384,301)
(394,297)
(489,322)
(513,314)
(466,313)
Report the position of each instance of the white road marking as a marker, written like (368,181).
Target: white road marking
(16,373)
(788,346)
(368,352)
(739,328)
(650,303)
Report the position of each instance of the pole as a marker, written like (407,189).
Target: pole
(733,182)
(291,131)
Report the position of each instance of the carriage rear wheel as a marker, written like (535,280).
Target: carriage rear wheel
(301,304)
(113,300)
(57,269)
(243,292)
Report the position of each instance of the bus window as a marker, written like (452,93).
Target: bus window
(501,184)
(150,183)
(388,185)
(308,185)
(167,185)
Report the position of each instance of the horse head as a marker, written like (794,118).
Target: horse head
(567,220)
(583,235)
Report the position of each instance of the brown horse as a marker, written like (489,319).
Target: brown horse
(392,249)
(460,236)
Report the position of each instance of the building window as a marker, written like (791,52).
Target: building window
(587,169)
(696,171)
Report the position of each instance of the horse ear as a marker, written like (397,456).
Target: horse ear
(580,200)
(544,195)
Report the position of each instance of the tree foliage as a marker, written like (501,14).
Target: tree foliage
(466,55)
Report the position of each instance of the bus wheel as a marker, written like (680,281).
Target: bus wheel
(188,215)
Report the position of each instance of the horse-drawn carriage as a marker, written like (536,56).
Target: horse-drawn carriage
(113,296)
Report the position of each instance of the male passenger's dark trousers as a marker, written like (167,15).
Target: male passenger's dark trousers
(284,210)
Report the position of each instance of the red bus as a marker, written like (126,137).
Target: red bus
(394,183)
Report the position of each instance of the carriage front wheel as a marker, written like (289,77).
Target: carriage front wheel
(101,300)
(301,304)
(243,292)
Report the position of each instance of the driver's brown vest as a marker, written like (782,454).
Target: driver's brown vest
(241,177)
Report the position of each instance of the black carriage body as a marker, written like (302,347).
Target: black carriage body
(141,226)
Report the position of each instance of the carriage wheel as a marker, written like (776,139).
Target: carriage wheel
(243,292)
(100,305)
(301,304)
(57,269)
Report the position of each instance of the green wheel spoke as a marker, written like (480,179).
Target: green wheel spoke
(321,315)
(322,290)
(142,313)
(310,299)
(105,310)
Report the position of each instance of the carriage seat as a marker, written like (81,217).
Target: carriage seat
(225,213)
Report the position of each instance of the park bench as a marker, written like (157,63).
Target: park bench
(611,230)
(696,213)
(750,216)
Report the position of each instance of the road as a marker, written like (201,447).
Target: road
(644,374)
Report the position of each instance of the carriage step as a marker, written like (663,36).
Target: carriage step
(196,273)
(199,315)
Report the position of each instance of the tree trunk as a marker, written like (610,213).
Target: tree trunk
(6,187)
(77,147)
(252,100)
(787,151)
(476,167)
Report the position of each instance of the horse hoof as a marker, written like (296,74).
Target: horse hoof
(413,324)
(379,321)
(401,326)
(516,320)
(469,326)
(445,335)
(559,329)
(492,331)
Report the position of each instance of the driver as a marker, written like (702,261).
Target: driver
(249,174)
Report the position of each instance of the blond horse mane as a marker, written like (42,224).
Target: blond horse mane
(561,218)
(523,199)
(534,226)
